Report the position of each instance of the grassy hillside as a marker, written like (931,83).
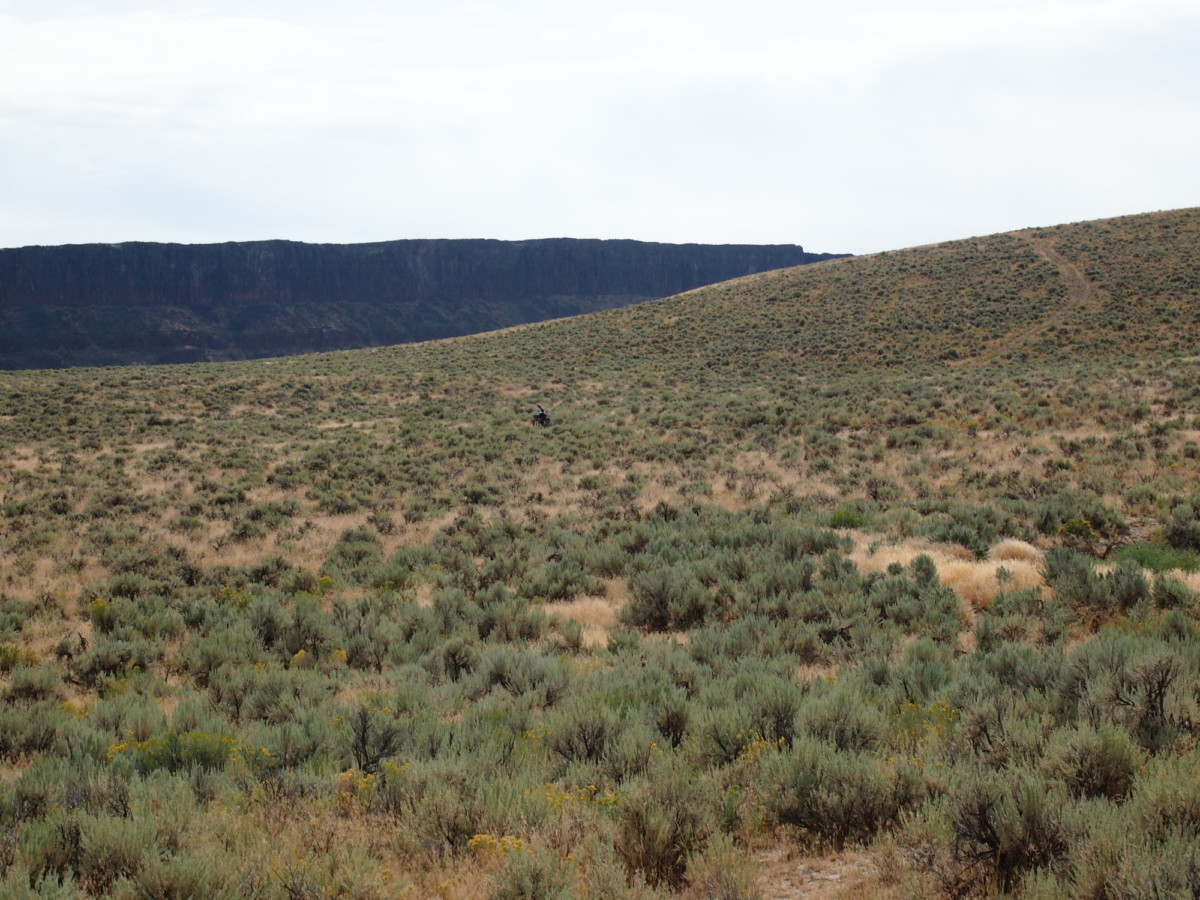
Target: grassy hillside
(883,567)
(1109,288)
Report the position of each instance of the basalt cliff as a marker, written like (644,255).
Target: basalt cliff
(146,303)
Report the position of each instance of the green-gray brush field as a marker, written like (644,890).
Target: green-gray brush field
(872,578)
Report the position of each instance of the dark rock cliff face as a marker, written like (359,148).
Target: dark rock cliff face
(119,304)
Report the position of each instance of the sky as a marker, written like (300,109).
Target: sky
(849,126)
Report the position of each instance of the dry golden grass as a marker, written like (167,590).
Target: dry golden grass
(1191,579)
(825,671)
(974,581)
(871,555)
(978,583)
(596,615)
(653,494)
(1012,550)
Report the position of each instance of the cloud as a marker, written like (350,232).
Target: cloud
(849,126)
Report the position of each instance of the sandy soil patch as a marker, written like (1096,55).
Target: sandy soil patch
(849,875)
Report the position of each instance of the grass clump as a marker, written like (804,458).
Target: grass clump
(1160,557)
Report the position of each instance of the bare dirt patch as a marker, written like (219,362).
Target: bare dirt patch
(24,460)
(786,875)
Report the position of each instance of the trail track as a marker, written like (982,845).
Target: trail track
(1080,294)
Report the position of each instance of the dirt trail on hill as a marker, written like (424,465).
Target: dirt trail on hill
(1079,288)
(1079,295)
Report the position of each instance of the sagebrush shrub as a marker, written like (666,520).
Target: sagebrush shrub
(842,719)
(1006,826)
(831,795)
(662,823)
(584,730)
(1182,527)
(533,874)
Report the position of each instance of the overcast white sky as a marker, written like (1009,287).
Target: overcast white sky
(842,125)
